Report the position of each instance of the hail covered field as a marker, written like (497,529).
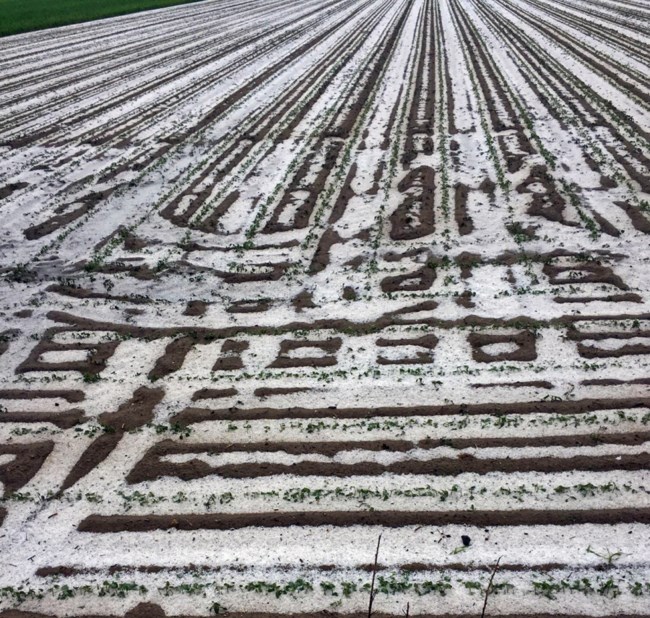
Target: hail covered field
(280,276)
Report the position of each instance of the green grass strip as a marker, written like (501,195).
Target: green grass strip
(18,16)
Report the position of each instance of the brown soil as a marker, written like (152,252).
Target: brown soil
(356,262)
(195,246)
(60,220)
(610,298)
(98,355)
(28,459)
(62,420)
(173,358)
(321,257)
(426,341)
(188,336)
(299,183)
(97,452)
(451,107)
(525,352)
(376,177)
(303,301)
(230,358)
(580,406)
(385,145)
(612,382)
(238,150)
(509,258)
(132,311)
(388,519)
(414,217)
(145,610)
(514,161)
(589,351)
(423,99)
(593,351)
(466,262)
(638,220)
(605,226)
(396,256)
(586,273)
(196,308)
(412,567)
(272,392)
(463,220)
(532,383)
(288,102)
(328,346)
(418,280)
(249,306)
(276,271)
(545,567)
(70,322)
(71,396)
(582,105)
(465,300)
(211,223)
(7,190)
(78,292)
(154,464)
(464,464)
(488,186)
(576,335)
(549,204)
(516,228)
(135,413)
(368,79)
(142,272)
(214,393)
(493,91)
(345,195)
(6,337)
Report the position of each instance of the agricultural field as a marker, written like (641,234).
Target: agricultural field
(326,308)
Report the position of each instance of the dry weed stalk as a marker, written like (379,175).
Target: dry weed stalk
(489,586)
(372,581)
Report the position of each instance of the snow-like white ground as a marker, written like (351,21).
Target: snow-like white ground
(281,277)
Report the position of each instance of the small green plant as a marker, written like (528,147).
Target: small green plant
(610,557)
(216,608)
(119,589)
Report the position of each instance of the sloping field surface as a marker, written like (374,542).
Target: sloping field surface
(279,277)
